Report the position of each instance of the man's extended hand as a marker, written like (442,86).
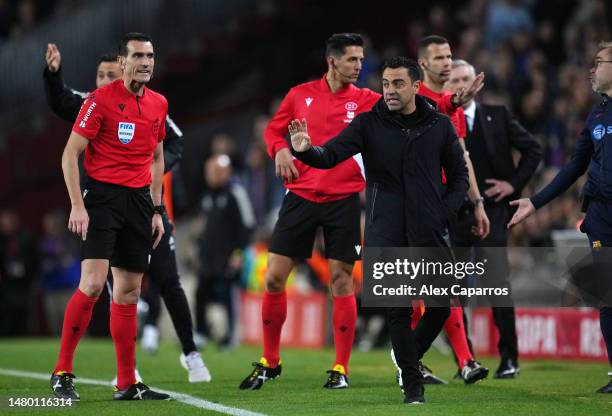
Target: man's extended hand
(465,95)
(157,226)
(525,209)
(54,58)
(300,140)
(285,168)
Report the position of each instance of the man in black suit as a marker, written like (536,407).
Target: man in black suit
(492,134)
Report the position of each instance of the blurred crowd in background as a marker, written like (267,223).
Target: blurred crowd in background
(223,83)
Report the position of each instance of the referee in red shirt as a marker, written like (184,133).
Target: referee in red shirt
(120,128)
(326,198)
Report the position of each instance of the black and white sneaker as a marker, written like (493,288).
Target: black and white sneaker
(260,374)
(428,376)
(508,368)
(63,386)
(608,387)
(473,371)
(415,395)
(139,391)
(336,379)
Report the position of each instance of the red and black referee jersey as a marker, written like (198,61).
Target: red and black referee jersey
(327,114)
(123,130)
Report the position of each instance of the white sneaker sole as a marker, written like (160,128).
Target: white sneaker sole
(202,376)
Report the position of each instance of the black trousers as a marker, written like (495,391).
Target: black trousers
(215,288)
(466,244)
(165,282)
(409,346)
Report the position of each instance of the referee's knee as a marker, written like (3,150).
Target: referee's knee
(277,273)
(92,285)
(275,282)
(342,284)
(341,278)
(126,297)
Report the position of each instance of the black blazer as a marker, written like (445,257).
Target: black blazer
(502,133)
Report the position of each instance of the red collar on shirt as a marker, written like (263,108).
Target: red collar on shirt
(427,92)
(346,91)
(125,92)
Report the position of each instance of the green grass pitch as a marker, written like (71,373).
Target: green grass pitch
(544,387)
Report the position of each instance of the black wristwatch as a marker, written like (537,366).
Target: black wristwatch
(455,100)
(159,209)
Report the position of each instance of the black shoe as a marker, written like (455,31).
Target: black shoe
(428,376)
(139,391)
(508,368)
(473,371)
(259,376)
(415,395)
(63,386)
(336,380)
(608,387)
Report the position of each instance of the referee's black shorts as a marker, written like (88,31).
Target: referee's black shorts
(119,225)
(298,219)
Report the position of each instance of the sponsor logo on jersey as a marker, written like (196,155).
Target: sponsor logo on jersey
(600,131)
(350,108)
(125,132)
(308,101)
(83,122)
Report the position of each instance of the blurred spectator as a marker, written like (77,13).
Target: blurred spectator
(18,270)
(225,144)
(26,18)
(19,17)
(265,190)
(60,268)
(505,19)
(229,218)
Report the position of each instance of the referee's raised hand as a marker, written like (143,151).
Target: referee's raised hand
(78,221)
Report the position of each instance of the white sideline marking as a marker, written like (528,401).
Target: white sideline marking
(179,397)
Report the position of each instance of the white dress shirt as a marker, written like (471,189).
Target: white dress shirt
(470,114)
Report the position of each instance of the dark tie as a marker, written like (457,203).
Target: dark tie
(467,124)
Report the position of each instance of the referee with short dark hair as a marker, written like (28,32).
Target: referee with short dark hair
(163,270)
(120,127)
